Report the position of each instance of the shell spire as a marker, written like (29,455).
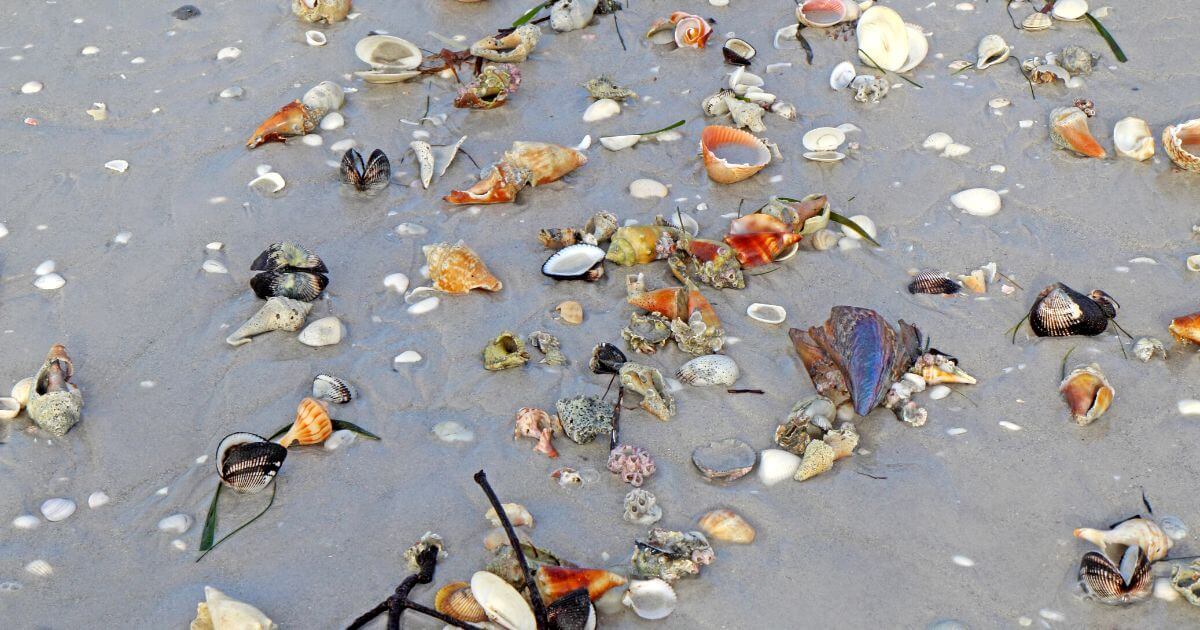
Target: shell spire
(1069,130)
(293,119)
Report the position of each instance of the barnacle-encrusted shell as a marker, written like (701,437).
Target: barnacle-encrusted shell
(1186,580)
(649,383)
(55,403)
(670,555)
(843,440)
(505,351)
(727,526)
(818,458)
(710,369)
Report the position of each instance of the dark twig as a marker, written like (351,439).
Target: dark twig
(464,152)
(615,438)
(617,25)
(745,391)
(808,51)
(1010,280)
(1024,76)
(398,602)
(869,475)
(539,608)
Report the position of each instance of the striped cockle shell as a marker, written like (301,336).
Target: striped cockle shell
(1101,578)
(711,369)
(247,462)
(1060,311)
(332,389)
(933,283)
(455,600)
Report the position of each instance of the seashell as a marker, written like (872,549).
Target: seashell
(1069,130)
(1186,328)
(738,51)
(691,31)
(457,269)
(424,155)
(98,499)
(617,143)
(825,239)
(766,313)
(502,603)
(715,104)
(324,97)
(974,281)
(1078,61)
(843,440)
(864,222)
(247,463)
(1137,532)
(1147,347)
(326,331)
(175,524)
(604,87)
(119,166)
(570,312)
(279,313)
(1060,311)
(602,109)
(505,351)
(821,13)
(572,15)
(745,114)
(9,408)
(935,368)
(725,460)
(1107,583)
(708,370)
(315,38)
(554,582)
(332,389)
(268,183)
(842,75)
(732,155)
(218,611)
(882,38)
(371,176)
(727,526)
(640,508)
(650,599)
(1186,580)
(573,611)
(992,50)
(1087,392)
(294,285)
(606,359)
(1173,527)
(918,47)
(649,384)
(980,202)
(785,110)
(937,141)
(55,403)
(647,189)
(527,163)
(29,521)
(511,48)
(575,262)
(490,88)
(293,119)
(1132,138)
(1069,10)
(933,283)
(312,425)
(1036,21)
(759,239)
(776,465)
(58,509)
(22,389)
(39,568)
(1182,144)
(288,256)
(329,11)
(824,156)
(823,139)
(641,244)
(388,52)
(455,600)
(818,458)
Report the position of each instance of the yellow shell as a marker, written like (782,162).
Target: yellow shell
(818,458)
(571,312)
(458,269)
(312,424)
(727,526)
(455,600)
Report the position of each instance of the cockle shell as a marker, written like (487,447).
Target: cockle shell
(1036,21)
(992,50)
(1060,311)
(312,424)
(1182,144)
(555,582)
(455,600)
(882,38)
(279,313)
(711,369)
(818,458)
(933,283)
(57,509)
(821,13)
(332,389)
(1069,10)
(1135,532)
(289,283)
(218,611)
(727,526)
(321,11)
(247,463)
(502,603)
(650,599)
(1103,580)
(723,172)
(1069,130)
(776,465)
(457,269)
(1087,392)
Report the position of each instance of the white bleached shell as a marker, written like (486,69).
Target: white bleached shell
(999,103)
(397,282)
(408,356)
(340,439)
(992,50)
(214,266)
(49,282)
(388,52)
(119,166)
(824,156)
(21,390)
(332,121)
(955,149)
(842,75)
(685,222)
(786,34)
(918,47)
(1069,10)
(501,602)
(57,509)
(452,431)
(175,524)
(221,612)
(864,222)
(766,313)
(572,15)
(707,370)
(325,96)
(98,499)
(742,77)
(1193,262)
(31,87)
(882,37)
(602,109)
(1036,21)
(776,465)
(424,306)
(616,143)
(9,408)
(26,521)
(1189,407)
(229,52)
(268,182)
(980,202)
(326,331)
(315,38)
(647,189)
(823,139)
(40,568)
(824,239)
(424,152)
(937,141)
(47,266)
(1132,138)
(650,599)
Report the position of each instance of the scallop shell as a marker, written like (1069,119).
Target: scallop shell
(1132,138)
(821,13)
(502,603)
(312,424)
(1103,581)
(714,137)
(818,458)
(1182,144)
(650,599)
(457,269)
(727,526)
(40,568)
(882,38)
(776,465)
(1036,21)
(1069,130)
(57,509)
(455,600)
(992,50)
(247,463)
(332,389)
(933,283)
(707,370)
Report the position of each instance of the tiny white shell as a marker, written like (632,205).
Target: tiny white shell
(268,183)
(602,109)
(776,465)
(650,599)
(842,75)
(864,222)
(229,52)
(955,149)
(175,524)
(1193,262)
(617,143)
(49,282)
(44,268)
(937,141)
(315,38)
(424,306)
(40,568)
(408,356)
(98,499)
(452,431)
(57,509)
(647,189)
(410,229)
(824,156)
(26,521)
(938,392)
(999,103)
(1069,10)
(326,331)
(333,120)
(397,282)
(766,313)
(707,370)
(119,166)
(1189,407)
(823,139)
(214,266)
(32,87)
(980,202)
(340,439)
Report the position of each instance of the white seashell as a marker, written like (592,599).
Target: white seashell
(26,521)
(21,390)
(938,392)
(214,266)
(825,239)
(57,509)
(776,465)
(326,331)
(315,38)
(9,408)
(341,145)
(229,52)
(340,439)
(647,189)
(175,524)
(955,149)
(617,143)
(312,140)
(842,75)
(46,267)
(1069,10)
(32,87)
(397,282)
(708,370)
(980,202)
(408,356)
(268,183)
(741,77)
(1189,407)
(786,34)
(918,47)
(215,246)
(915,382)
(882,38)
(502,603)
(824,156)
(766,313)
(999,103)
(685,222)
(1132,138)
(864,222)
(333,120)
(49,282)
(650,599)
(98,112)
(424,153)
(232,92)
(1036,21)
(98,499)
(3,230)
(784,110)
(992,50)
(937,141)
(602,109)
(1164,591)
(325,96)
(262,169)
(119,166)
(40,568)
(228,613)
(823,139)
(451,431)
(424,306)
(88,51)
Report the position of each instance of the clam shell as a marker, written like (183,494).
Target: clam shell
(332,389)
(719,170)
(1102,580)
(766,313)
(707,370)
(980,202)
(175,524)
(21,390)
(727,526)
(738,51)
(821,13)
(650,599)
(823,139)
(501,602)
(9,408)
(933,283)
(247,463)
(725,460)
(326,331)
(57,509)
(1182,144)
(1060,311)
(455,600)
(617,143)
(883,38)
(776,465)
(1069,10)
(281,256)
(918,47)
(575,262)
(824,156)
(315,38)
(842,75)
(1036,21)
(388,52)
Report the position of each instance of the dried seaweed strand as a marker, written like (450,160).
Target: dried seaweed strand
(875,65)
(398,602)
(1108,38)
(617,26)
(539,608)
(274,487)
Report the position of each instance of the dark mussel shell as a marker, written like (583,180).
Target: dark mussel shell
(247,462)
(370,176)
(185,12)
(933,283)
(297,285)
(1060,311)
(606,359)
(1102,580)
(572,611)
(288,256)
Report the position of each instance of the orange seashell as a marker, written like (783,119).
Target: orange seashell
(455,600)
(499,184)
(457,269)
(757,222)
(527,163)
(760,248)
(691,31)
(697,303)
(1087,393)
(704,250)
(312,424)
(1186,328)
(1069,130)
(732,155)
(554,582)
(293,119)
(727,526)
(671,303)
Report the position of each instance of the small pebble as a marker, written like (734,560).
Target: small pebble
(26,521)
(1011,426)
(175,524)
(185,12)
(1189,407)
(214,246)
(98,499)
(963,561)
(32,87)
(214,266)
(232,92)
(647,189)
(50,282)
(88,51)
(424,306)
(397,282)
(333,120)
(341,145)
(1052,615)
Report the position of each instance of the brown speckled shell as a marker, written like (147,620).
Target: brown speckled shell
(458,269)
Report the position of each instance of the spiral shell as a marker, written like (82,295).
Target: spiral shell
(455,600)
(457,269)
(312,424)
(727,526)
(691,31)
(818,458)
(1135,532)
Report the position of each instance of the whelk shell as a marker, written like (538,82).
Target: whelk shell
(1069,130)
(555,582)
(312,424)
(1182,144)
(219,611)
(1132,138)
(457,269)
(1087,392)
(1135,532)
(727,526)
(715,137)
(992,50)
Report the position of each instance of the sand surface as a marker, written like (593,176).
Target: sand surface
(146,326)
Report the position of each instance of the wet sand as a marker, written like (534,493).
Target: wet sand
(846,549)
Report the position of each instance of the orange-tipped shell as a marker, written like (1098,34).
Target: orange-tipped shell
(545,162)
(1186,328)
(698,303)
(312,424)
(1182,144)
(727,526)
(1087,393)
(670,303)
(691,31)
(1069,130)
(500,185)
(714,137)
(757,222)
(554,582)
(458,269)
(292,119)
(455,600)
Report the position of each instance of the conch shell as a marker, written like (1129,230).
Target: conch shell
(279,313)
(457,269)
(759,238)
(641,244)
(1132,138)
(1135,532)
(1087,392)
(1182,144)
(691,31)
(55,403)
(554,582)
(527,163)
(511,48)
(720,170)
(1186,328)
(293,119)
(1069,130)
(321,10)
(312,425)
(218,611)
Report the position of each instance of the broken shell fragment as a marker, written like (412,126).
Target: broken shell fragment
(1182,144)
(1069,130)
(766,313)
(725,460)
(570,312)
(732,155)
(1132,138)
(218,611)
(505,351)
(882,38)
(1087,392)
(511,48)
(641,508)
(554,582)
(727,526)
(517,515)
(648,382)
(1147,347)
